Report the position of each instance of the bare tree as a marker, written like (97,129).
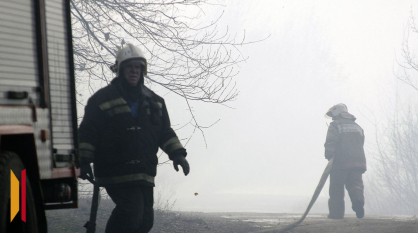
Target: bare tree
(191,59)
(196,61)
(393,188)
(409,61)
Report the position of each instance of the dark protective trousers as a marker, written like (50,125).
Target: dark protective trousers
(352,179)
(134,211)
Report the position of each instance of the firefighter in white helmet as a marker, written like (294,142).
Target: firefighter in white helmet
(123,126)
(344,143)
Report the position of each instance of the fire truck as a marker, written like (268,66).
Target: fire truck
(38,119)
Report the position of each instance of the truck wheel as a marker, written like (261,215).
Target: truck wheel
(10,161)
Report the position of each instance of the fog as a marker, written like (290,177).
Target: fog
(266,152)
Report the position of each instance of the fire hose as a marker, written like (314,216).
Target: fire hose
(91,224)
(318,189)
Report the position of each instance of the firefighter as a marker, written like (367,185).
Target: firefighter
(344,143)
(123,126)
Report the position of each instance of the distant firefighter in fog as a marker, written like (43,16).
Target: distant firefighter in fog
(344,143)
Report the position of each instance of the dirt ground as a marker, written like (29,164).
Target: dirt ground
(253,222)
(72,221)
(319,223)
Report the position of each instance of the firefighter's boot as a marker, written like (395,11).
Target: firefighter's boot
(336,208)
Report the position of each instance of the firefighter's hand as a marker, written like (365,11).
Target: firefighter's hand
(181,160)
(86,172)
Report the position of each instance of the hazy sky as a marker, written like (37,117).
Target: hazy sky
(269,148)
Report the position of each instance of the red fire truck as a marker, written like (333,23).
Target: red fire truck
(38,119)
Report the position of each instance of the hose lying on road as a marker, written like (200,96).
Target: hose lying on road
(318,189)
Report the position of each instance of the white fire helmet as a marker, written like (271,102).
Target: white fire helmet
(127,52)
(336,110)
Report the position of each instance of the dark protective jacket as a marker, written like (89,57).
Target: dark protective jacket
(344,143)
(122,147)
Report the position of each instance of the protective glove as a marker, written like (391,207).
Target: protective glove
(86,172)
(181,160)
